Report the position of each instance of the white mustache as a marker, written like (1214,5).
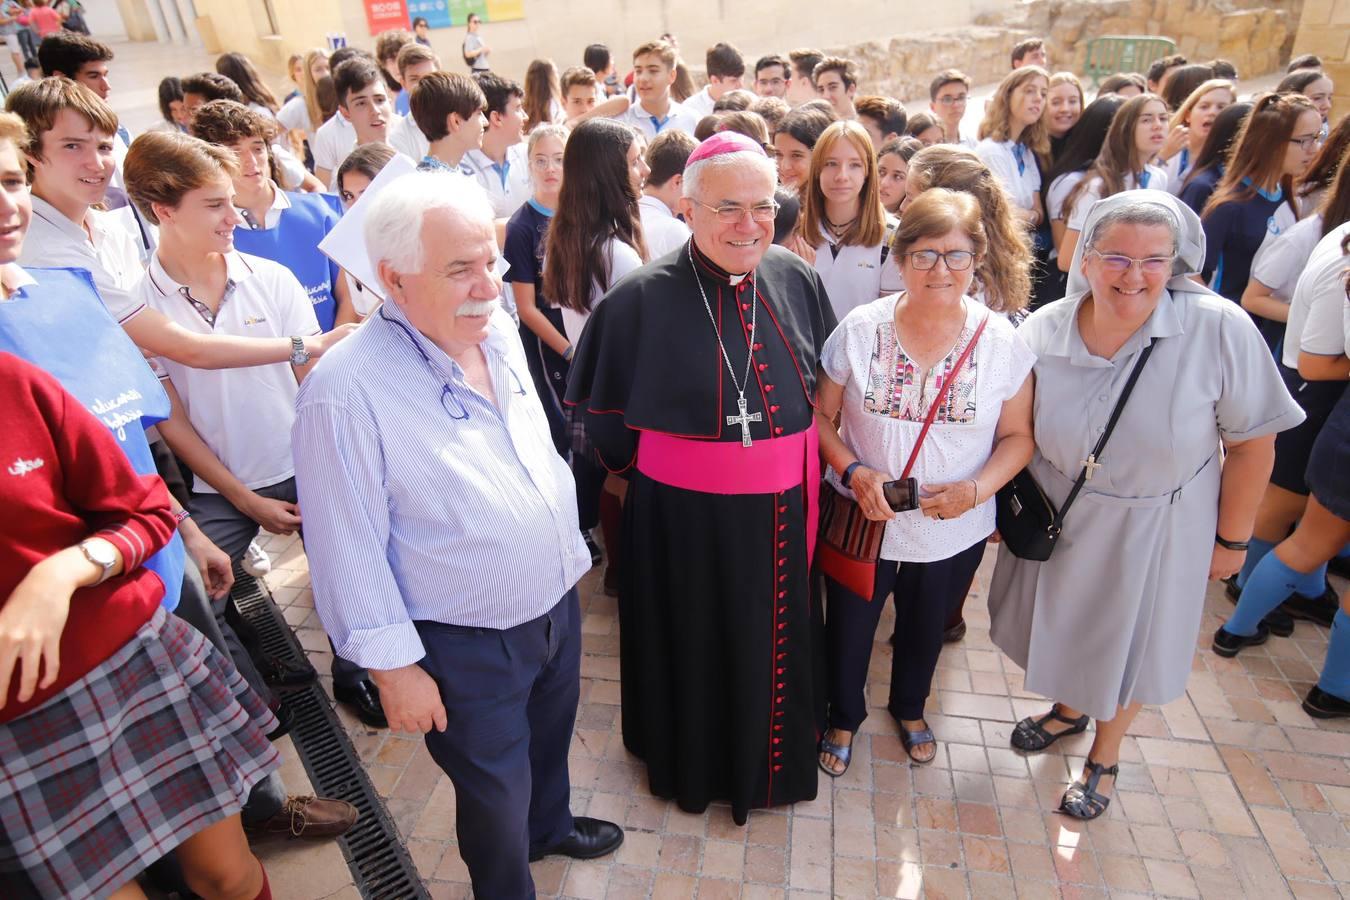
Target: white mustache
(476,308)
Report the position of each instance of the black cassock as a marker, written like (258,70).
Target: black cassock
(720,628)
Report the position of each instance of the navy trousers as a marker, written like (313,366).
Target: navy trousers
(510,703)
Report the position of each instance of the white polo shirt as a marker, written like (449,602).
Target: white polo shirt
(294,116)
(662,231)
(332,142)
(1077,217)
(245,414)
(508,187)
(677,117)
(408,139)
(701,104)
(1316,320)
(1281,258)
(1022,182)
(855,276)
(110,250)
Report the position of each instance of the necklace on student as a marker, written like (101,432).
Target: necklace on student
(837,230)
(742,418)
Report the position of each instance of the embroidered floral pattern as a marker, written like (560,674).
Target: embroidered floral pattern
(895,387)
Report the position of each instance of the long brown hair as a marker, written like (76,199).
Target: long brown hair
(868,229)
(996,125)
(1257,157)
(1005,272)
(1119,157)
(597,203)
(1322,170)
(541,91)
(1335,208)
(240,69)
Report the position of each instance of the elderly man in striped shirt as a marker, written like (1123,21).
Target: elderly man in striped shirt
(442,534)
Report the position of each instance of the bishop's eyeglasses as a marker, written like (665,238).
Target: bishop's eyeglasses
(732,213)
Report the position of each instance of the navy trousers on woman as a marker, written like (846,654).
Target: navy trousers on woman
(510,704)
(923,601)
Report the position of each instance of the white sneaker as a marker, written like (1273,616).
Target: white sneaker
(256,562)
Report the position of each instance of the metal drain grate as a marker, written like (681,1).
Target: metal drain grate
(380,864)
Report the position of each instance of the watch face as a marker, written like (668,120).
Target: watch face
(100,553)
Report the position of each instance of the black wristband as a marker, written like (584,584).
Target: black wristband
(1230,545)
(847,477)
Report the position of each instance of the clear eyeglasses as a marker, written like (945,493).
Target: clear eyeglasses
(955,260)
(1118,264)
(731,213)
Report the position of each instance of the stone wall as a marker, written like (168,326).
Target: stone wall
(1256,38)
(1324,29)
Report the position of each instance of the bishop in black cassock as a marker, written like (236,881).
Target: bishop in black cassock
(722,687)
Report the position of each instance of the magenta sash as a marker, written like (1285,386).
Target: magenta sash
(725,467)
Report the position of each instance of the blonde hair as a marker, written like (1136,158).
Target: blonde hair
(1183,112)
(869,228)
(309,88)
(1005,273)
(12,129)
(997,124)
(162,166)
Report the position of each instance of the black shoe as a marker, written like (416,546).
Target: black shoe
(589,838)
(1321,705)
(280,673)
(285,719)
(1313,609)
(1227,644)
(1278,621)
(955,633)
(591,545)
(1339,565)
(364,700)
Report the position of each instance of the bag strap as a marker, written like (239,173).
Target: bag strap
(937,401)
(1058,524)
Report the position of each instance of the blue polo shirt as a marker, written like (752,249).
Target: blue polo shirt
(1233,234)
(295,225)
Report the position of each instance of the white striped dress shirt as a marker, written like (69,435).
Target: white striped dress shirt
(413,511)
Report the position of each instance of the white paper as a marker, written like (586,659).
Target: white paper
(346,243)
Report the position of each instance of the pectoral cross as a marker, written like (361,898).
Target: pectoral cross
(1091,465)
(744,420)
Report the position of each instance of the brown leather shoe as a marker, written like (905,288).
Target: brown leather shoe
(311,818)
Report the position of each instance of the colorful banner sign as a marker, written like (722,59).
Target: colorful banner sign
(382,15)
(436,12)
(488,10)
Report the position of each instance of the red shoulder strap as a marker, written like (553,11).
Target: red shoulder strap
(937,401)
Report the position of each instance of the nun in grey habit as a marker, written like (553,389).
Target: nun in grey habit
(1110,620)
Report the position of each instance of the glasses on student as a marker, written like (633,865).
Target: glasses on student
(544,163)
(732,213)
(1311,142)
(1118,264)
(955,260)
(772,82)
(952,101)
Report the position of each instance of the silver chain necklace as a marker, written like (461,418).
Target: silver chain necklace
(743,418)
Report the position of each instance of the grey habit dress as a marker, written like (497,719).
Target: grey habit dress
(1112,617)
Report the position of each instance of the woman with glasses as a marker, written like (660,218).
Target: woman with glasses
(843,230)
(882,371)
(1254,200)
(1109,621)
(1137,131)
(594,240)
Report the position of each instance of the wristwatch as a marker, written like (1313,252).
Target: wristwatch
(1230,545)
(299,355)
(101,554)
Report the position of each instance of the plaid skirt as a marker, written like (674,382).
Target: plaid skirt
(160,741)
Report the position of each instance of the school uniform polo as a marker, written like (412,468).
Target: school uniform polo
(405,137)
(1152,178)
(290,234)
(855,276)
(110,251)
(332,142)
(702,103)
(244,414)
(1177,168)
(678,117)
(1234,232)
(660,229)
(507,185)
(1014,165)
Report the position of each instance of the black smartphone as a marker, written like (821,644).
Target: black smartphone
(902,494)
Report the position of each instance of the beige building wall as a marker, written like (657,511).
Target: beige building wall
(1324,29)
(561,30)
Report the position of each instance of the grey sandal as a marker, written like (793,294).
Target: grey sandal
(912,739)
(1082,800)
(841,752)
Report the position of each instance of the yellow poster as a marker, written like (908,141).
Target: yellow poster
(501,10)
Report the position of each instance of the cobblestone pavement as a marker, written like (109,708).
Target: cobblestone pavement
(1230,791)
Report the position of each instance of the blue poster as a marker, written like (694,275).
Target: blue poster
(436,12)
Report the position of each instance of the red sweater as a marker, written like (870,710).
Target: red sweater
(63,477)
